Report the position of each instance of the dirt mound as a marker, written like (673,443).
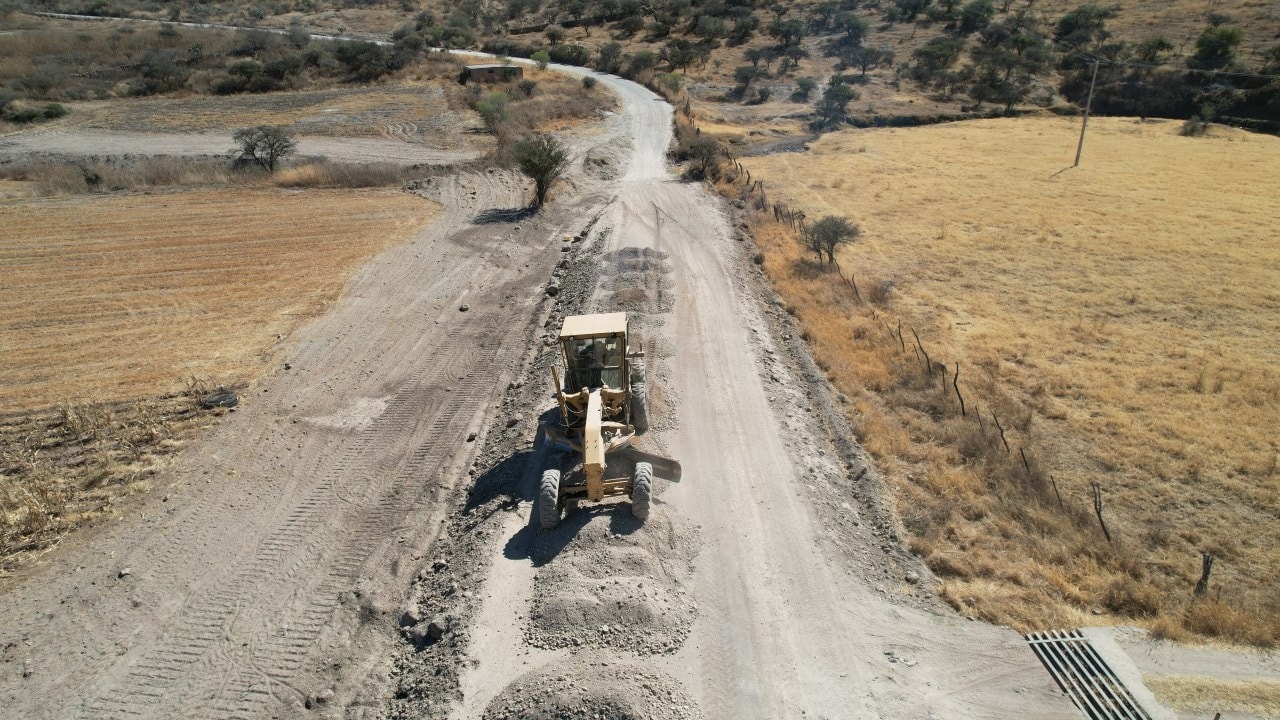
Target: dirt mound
(614,583)
(582,689)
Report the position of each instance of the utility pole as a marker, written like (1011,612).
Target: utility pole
(1087,106)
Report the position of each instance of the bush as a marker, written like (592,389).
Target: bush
(588,82)
(264,145)
(29,114)
(543,159)
(493,110)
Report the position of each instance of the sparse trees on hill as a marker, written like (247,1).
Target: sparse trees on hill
(265,145)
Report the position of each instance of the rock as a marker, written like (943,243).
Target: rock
(325,696)
(439,565)
(512,422)
(553,290)
(287,366)
(436,629)
(913,577)
(410,617)
(471,437)
(124,572)
(565,248)
(463,308)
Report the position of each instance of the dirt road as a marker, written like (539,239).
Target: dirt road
(81,143)
(268,574)
(277,547)
(756,592)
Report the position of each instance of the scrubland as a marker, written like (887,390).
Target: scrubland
(1118,319)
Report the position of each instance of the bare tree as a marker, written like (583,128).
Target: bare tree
(264,145)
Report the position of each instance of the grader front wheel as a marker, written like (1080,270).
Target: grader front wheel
(549,499)
(642,490)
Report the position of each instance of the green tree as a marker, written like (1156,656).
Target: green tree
(933,57)
(609,57)
(264,145)
(542,58)
(542,159)
(829,233)
(743,29)
(1216,47)
(975,15)
(835,98)
(1085,26)
(853,26)
(706,151)
(679,53)
(1153,49)
(862,57)
(554,34)
(804,89)
(788,33)
(909,9)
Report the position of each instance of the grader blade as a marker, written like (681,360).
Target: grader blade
(664,467)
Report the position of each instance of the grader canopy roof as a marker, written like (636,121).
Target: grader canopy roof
(594,326)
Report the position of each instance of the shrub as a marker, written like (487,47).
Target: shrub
(264,145)
(493,110)
(542,58)
(543,159)
(588,82)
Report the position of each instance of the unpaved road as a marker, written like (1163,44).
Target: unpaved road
(791,618)
(272,562)
(81,143)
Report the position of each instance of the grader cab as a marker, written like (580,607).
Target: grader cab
(603,404)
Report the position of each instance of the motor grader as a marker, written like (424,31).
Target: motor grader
(603,404)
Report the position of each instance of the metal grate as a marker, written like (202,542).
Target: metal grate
(1084,676)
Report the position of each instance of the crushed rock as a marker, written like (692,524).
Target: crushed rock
(614,583)
(587,690)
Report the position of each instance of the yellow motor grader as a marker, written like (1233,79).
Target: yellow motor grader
(603,405)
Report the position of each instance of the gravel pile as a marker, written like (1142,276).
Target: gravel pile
(614,583)
(588,690)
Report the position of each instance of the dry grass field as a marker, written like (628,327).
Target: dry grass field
(116,309)
(1120,318)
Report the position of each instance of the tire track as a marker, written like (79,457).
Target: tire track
(162,670)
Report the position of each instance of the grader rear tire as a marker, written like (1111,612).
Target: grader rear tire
(642,490)
(549,499)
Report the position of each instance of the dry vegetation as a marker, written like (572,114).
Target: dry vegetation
(1119,318)
(1207,696)
(114,305)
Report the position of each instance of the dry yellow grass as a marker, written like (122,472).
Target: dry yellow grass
(1205,695)
(191,283)
(118,312)
(1120,317)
